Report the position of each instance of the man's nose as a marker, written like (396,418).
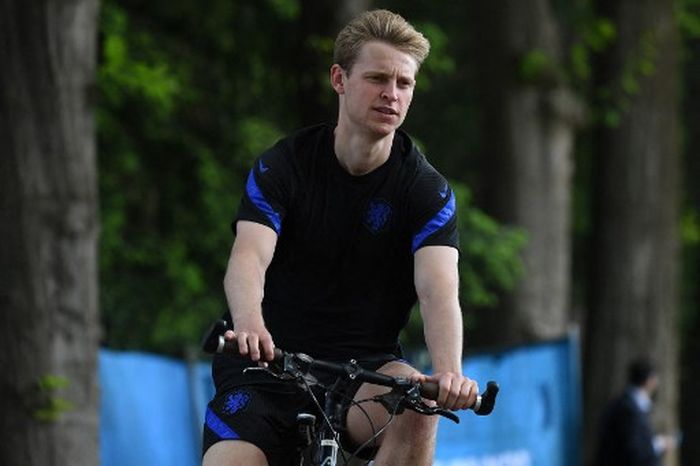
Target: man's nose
(390,91)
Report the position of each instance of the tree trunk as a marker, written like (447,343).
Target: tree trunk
(634,283)
(529,124)
(690,380)
(48,233)
(320,21)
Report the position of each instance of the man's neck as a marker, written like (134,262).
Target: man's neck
(360,153)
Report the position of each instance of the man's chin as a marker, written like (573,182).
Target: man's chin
(382,130)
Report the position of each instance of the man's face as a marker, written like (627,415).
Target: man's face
(377,92)
(652,384)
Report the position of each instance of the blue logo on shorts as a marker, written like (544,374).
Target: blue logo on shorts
(236,401)
(378,215)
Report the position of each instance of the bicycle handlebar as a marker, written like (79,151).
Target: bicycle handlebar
(214,342)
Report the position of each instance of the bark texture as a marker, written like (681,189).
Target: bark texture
(635,278)
(48,233)
(320,20)
(690,383)
(529,123)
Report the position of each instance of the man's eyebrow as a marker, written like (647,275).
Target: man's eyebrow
(375,73)
(385,74)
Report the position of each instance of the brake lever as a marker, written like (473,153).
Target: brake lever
(276,372)
(399,399)
(446,413)
(418,405)
(289,369)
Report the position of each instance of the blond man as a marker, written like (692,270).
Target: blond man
(342,228)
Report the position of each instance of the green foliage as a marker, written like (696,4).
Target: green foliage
(534,65)
(688,14)
(690,227)
(288,9)
(690,236)
(439,61)
(189,96)
(596,35)
(611,100)
(171,168)
(538,68)
(255,135)
(639,64)
(47,405)
(490,253)
(122,73)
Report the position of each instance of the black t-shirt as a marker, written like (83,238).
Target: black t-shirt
(340,283)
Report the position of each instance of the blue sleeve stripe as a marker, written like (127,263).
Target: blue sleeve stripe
(438,221)
(219,427)
(256,195)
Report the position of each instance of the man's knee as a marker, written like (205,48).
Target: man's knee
(417,428)
(410,442)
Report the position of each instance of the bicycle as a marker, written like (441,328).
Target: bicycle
(319,439)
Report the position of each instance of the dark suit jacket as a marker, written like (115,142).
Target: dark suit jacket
(626,436)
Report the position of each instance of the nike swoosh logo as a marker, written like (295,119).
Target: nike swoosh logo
(444,192)
(263,167)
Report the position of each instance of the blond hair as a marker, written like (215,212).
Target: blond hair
(383,26)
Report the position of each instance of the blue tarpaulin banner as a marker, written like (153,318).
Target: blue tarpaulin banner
(152,410)
(537,418)
(149,409)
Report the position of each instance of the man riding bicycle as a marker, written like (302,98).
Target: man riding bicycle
(342,227)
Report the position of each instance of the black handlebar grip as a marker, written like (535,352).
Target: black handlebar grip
(487,399)
(214,341)
(429,390)
(211,341)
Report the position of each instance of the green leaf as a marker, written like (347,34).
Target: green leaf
(690,227)
(287,9)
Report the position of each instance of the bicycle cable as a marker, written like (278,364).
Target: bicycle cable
(374,437)
(326,420)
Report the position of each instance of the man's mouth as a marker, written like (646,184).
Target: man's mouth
(386,110)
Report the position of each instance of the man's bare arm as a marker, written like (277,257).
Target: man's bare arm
(437,285)
(244,284)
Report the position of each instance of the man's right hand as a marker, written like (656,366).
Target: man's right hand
(253,339)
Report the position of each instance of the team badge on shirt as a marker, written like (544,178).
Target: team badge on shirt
(377,216)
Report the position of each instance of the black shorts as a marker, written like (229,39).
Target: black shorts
(264,411)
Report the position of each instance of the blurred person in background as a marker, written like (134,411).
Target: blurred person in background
(626,433)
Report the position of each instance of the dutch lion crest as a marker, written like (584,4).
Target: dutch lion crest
(377,216)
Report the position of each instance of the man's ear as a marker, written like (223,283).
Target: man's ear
(337,75)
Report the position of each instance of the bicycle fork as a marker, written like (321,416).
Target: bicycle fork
(329,452)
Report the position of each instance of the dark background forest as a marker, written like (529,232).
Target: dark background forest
(568,129)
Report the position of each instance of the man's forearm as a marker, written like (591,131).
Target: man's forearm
(243,284)
(437,285)
(443,336)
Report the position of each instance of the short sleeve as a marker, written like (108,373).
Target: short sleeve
(433,212)
(267,191)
